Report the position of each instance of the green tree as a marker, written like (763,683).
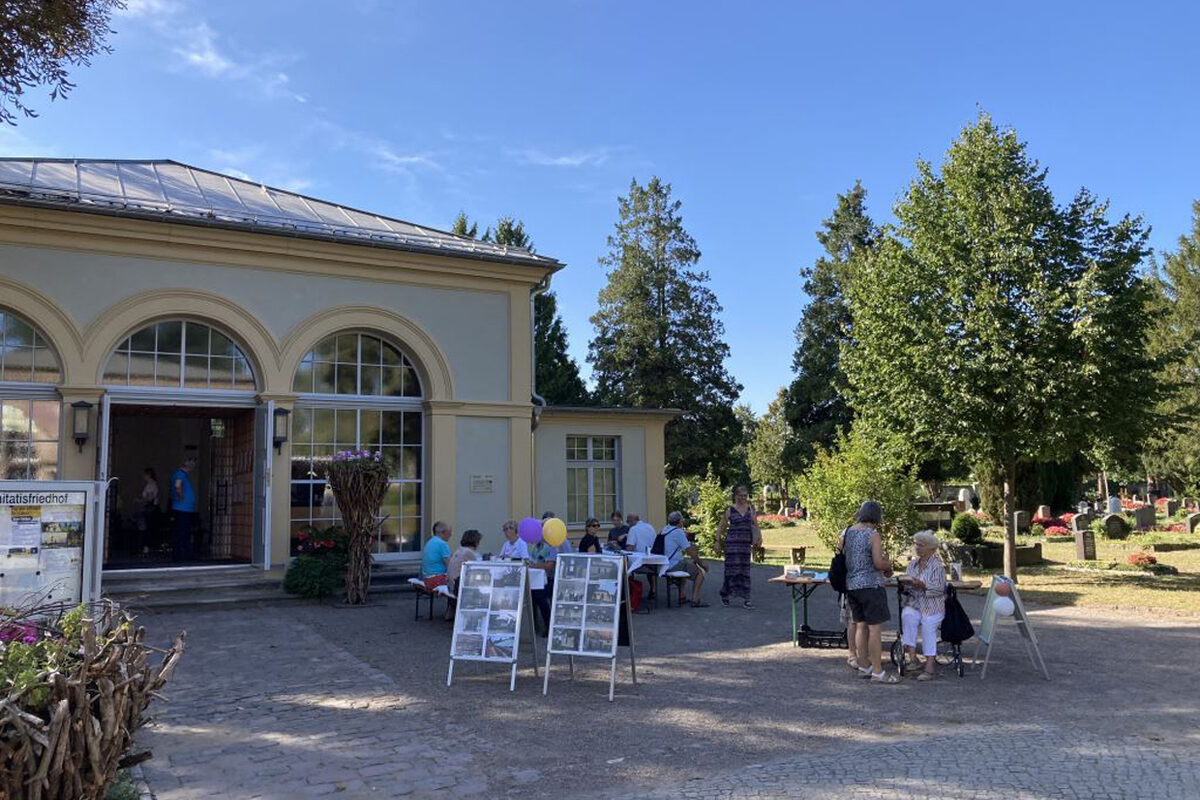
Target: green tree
(747,423)
(659,341)
(973,316)
(1173,452)
(41,39)
(816,406)
(463,227)
(556,373)
(769,446)
(853,470)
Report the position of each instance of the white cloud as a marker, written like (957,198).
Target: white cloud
(579,158)
(149,8)
(197,48)
(395,162)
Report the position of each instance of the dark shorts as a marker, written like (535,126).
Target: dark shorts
(868,605)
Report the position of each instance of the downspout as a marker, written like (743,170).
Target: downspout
(538,401)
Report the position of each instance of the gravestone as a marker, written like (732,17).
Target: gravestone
(1143,518)
(1021,521)
(1172,508)
(964,497)
(1043,512)
(1080,522)
(1192,523)
(1114,525)
(1114,504)
(1085,545)
(1084,507)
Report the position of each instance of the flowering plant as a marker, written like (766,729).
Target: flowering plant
(25,633)
(1141,558)
(1057,530)
(1049,522)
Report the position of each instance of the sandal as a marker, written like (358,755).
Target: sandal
(885,677)
(925,676)
(852,662)
(864,672)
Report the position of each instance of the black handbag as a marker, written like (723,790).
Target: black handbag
(837,567)
(956,625)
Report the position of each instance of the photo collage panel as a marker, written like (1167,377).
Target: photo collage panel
(586,597)
(489,611)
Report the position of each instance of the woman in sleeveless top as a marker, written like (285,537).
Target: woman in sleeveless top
(740,530)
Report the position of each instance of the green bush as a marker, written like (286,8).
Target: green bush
(122,788)
(315,576)
(706,513)
(966,529)
(1037,530)
(855,470)
(681,494)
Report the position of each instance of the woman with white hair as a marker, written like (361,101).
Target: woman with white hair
(924,603)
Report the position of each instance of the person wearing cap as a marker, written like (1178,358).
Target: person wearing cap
(682,555)
(924,602)
(866,569)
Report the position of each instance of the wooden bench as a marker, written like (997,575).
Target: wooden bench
(432,594)
(759,554)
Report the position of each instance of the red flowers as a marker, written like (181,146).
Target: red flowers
(1057,530)
(1141,558)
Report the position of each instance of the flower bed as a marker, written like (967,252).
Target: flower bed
(1057,533)
(1118,567)
(75,689)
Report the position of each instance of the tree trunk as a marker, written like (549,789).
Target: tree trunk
(1010,523)
(358,566)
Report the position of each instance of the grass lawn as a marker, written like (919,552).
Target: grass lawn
(1052,584)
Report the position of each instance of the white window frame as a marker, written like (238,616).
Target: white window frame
(591,464)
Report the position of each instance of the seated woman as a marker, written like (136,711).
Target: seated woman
(514,547)
(590,543)
(924,602)
(465,552)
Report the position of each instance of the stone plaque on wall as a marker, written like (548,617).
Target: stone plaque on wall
(483,484)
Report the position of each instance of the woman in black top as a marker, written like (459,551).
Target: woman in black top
(590,543)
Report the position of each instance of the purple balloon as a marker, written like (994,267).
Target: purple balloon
(530,530)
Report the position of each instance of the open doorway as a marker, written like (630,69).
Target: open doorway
(147,440)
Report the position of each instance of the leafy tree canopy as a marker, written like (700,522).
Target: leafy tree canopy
(40,40)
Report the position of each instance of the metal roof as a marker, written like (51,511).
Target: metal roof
(172,192)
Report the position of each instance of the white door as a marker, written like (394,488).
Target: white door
(98,544)
(264,420)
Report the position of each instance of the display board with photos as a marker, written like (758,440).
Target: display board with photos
(487,624)
(42,535)
(586,605)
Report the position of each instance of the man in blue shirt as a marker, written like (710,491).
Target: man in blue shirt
(183,504)
(435,558)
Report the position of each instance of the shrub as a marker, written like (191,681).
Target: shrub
(706,513)
(319,569)
(855,470)
(682,494)
(1141,558)
(966,529)
(1037,530)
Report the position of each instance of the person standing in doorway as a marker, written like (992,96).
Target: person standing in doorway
(183,504)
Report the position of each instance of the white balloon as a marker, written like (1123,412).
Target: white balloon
(1003,606)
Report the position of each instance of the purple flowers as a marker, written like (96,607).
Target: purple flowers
(26,634)
(355,455)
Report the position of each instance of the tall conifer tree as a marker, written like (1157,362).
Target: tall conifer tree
(659,340)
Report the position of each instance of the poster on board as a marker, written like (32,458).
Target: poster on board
(42,535)
(487,624)
(586,605)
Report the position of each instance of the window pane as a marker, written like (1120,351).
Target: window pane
(412,427)
(390,539)
(392,427)
(603,480)
(412,385)
(141,369)
(576,495)
(604,448)
(322,426)
(303,382)
(170,337)
(411,466)
(370,350)
(195,373)
(17,331)
(323,377)
(410,499)
(244,376)
(301,461)
(392,382)
(576,448)
(302,425)
(166,370)
(222,345)
(410,530)
(44,417)
(45,366)
(347,379)
(391,356)
(372,381)
(197,339)
(368,435)
(326,350)
(221,372)
(143,340)
(391,460)
(18,363)
(347,348)
(117,370)
(347,429)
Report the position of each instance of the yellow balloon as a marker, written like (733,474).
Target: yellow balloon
(554,531)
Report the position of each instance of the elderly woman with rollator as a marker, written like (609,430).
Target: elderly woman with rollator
(924,603)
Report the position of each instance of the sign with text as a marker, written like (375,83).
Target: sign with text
(43,533)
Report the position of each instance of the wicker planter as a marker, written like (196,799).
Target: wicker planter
(65,731)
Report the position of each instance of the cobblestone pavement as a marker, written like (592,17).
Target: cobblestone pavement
(316,700)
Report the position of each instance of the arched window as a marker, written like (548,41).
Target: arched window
(178,354)
(356,364)
(29,409)
(358,392)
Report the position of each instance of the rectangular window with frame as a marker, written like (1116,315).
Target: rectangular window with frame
(592,477)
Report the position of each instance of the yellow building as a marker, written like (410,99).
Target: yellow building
(151,311)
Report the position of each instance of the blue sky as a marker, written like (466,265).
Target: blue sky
(758,114)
